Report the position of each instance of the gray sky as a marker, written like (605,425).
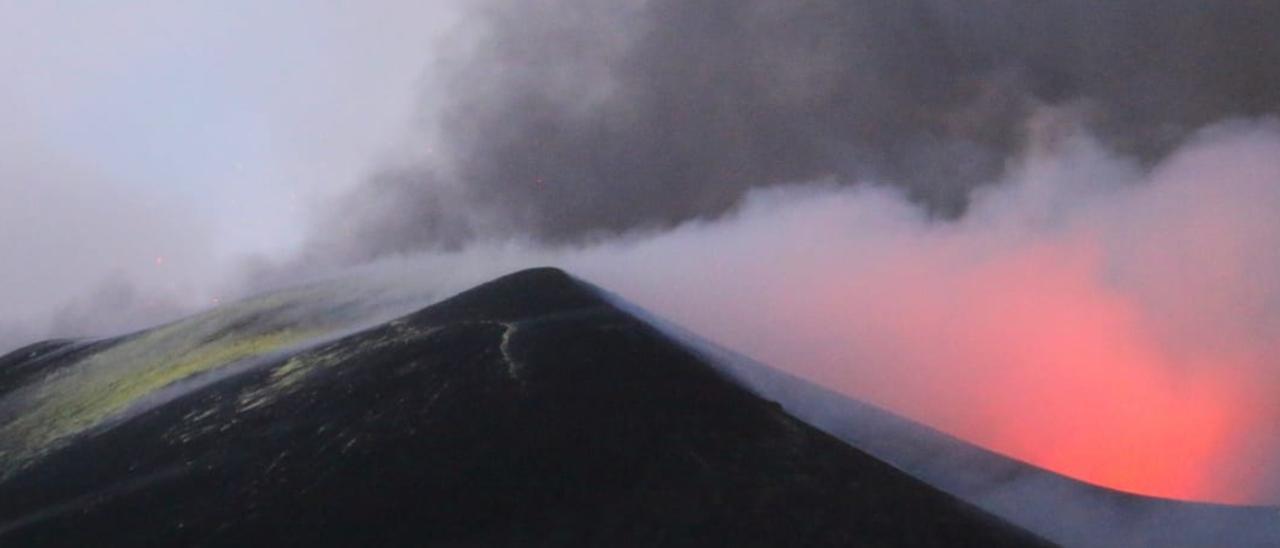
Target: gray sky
(151,144)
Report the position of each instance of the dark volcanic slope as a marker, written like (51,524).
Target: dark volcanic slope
(1059,508)
(526,411)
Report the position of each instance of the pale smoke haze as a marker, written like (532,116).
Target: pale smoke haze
(1116,324)
(571,120)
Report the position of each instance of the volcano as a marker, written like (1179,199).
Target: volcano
(526,411)
(1063,509)
(535,409)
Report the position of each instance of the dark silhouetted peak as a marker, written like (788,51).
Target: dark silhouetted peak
(527,293)
(526,411)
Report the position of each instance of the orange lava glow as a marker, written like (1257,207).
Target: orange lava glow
(1028,354)
(1117,326)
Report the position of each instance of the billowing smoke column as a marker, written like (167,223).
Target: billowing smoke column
(1117,327)
(1007,220)
(1117,324)
(566,120)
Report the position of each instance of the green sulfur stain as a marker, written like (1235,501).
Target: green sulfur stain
(108,383)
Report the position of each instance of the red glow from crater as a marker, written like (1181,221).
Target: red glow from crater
(1028,353)
(1121,331)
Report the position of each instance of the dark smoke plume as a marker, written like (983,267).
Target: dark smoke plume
(565,120)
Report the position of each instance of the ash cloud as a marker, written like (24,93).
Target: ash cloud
(572,120)
(1108,320)
(1031,220)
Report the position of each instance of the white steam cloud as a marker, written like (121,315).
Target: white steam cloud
(1115,323)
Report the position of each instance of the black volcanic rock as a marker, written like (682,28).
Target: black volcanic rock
(19,366)
(527,411)
(1059,508)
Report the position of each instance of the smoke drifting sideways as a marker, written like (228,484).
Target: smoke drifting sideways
(1100,301)
(1021,234)
(1112,322)
(1115,326)
(570,120)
